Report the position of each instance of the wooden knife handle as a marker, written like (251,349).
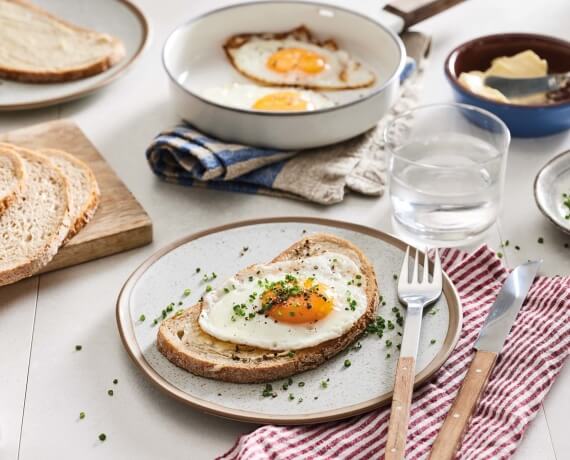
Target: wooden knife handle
(400,415)
(449,437)
(414,11)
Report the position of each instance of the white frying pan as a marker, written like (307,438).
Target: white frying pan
(194,60)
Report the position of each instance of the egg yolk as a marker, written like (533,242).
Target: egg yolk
(281,101)
(307,306)
(296,59)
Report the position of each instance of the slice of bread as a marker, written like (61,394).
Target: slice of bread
(183,342)
(33,227)
(84,194)
(36,46)
(12,176)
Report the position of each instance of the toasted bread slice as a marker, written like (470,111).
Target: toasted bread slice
(36,46)
(12,176)
(183,342)
(84,192)
(33,227)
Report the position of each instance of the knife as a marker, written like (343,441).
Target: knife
(520,87)
(488,346)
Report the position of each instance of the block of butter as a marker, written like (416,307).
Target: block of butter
(526,64)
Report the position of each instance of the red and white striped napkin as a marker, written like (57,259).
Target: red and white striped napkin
(533,355)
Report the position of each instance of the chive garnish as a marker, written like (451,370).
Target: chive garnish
(78,347)
(102,437)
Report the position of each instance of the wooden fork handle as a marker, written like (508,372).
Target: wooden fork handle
(449,437)
(401,402)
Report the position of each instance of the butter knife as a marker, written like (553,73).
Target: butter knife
(520,87)
(489,344)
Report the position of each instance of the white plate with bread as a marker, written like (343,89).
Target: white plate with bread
(282,320)
(53,51)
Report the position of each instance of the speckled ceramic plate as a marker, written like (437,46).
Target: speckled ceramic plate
(365,385)
(551,182)
(120,18)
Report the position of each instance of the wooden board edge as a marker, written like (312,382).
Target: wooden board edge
(97,249)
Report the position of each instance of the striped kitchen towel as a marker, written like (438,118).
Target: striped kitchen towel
(185,156)
(534,354)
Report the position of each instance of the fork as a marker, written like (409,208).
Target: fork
(416,295)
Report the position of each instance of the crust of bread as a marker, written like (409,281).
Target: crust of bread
(182,341)
(71,73)
(20,171)
(92,204)
(301,33)
(31,267)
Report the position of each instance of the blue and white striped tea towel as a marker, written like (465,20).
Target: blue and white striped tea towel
(185,156)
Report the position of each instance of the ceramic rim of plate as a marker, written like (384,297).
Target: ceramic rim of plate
(537,200)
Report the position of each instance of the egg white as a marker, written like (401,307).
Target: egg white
(341,72)
(336,271)
(244,96)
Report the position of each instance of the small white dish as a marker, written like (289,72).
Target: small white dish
(194,60)
(349,391)
(551,182)
(119,18)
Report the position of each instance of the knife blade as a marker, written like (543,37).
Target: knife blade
(506,307)
(489,344)
(521,87)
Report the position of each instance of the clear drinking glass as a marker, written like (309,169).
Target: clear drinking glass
(447,169)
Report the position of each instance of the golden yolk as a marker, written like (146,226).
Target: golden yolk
(296,59)
(281,101)
(309,306)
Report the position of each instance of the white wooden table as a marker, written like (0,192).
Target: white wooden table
(45,383)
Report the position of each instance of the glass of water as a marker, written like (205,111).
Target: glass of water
(447,169)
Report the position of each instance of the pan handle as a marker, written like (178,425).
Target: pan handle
(414,11)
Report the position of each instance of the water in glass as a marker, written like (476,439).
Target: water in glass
(446,187)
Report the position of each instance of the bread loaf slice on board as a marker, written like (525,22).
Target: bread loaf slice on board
(182,341)
(33,227)
(12,176)
(84,194)
(36,46)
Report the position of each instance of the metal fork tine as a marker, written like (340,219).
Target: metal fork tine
(404,271)
(425,278)
(437,275)
(416,265)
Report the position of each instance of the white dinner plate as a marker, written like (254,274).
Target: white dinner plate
(119,18)
(365,385)
(551,182)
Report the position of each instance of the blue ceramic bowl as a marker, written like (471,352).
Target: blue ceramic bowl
(523,121)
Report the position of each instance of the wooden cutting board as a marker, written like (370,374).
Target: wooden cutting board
(120,222)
